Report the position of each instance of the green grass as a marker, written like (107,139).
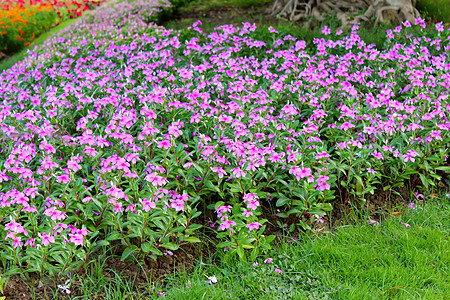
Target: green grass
(8,63)
(437,10)
(364,261)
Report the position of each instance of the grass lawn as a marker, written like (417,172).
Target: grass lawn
(387,260)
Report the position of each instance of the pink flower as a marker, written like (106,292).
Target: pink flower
(326,30)
(177,204)
(268,260)
(372,171)
(155,179)
(147,205)
(406,224)
(439,27)
(247,213)
(252,200)
(272,30)
(409,156)
(17,243)
(117,205)
(346,126)
(322,186)
(254,225)
(64,178)
(173,130)
(222,210)
(30,242)
(322,155)
(279,271)
(300,172)
(46,239)
(227,224)
(421,22)
(377,155)
(54,214)
(220,171)
(305,172)
(253,204)
(164,144)
(238,172)
(73,165)
(29,209)
(77,239)
(188,165)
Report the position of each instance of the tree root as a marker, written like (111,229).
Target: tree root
(384,11)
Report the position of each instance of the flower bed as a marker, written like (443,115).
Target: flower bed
(120,130)
(22,21)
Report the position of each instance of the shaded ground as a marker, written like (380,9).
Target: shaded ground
(218,14)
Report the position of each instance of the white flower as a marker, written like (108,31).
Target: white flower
(65,287)
(212,279)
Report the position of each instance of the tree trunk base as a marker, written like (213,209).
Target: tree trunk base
(348,12)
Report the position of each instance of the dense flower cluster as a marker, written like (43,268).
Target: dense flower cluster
(119,128)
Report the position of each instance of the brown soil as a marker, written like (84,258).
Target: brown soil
(226,14)
(149,270)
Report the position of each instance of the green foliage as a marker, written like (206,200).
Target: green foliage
(436,10)
(177,4)
(248,3)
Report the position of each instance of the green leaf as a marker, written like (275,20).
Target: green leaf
(127,253)
(192,239)
(224,244)
(424,180)
(316,211)
(101,243)
(292,228)
(146,247)
(269,239)
(211,186)
(282,199)
(253,255)
(177,229)
(443,168)
(195,215)
(294,211)
(170,246)
(114,236)
(240,252)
